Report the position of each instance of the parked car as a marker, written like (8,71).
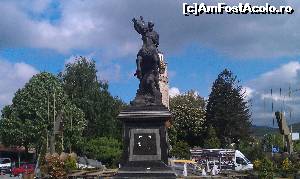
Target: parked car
(23,169)
(5,165)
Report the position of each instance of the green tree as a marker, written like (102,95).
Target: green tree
(6,111)
(188,118)
(31,115)
(211,141)
(266,169)
(92,97)
(251,148)
(296,146)
(227,110)
(22,132)
(104,149)
(270,140)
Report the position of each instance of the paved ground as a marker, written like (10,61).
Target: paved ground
(8,177)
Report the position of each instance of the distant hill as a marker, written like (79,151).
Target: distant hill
(296,127)
(259,131)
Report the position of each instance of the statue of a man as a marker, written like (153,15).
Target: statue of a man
(147,61)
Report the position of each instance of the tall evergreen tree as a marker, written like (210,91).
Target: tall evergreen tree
(92,97)
(227,110)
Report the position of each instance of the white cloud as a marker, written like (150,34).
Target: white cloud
(110,72)
(281,77)
(106,70)
(174,92)
(73,58)
(286,78)
(91,24)
(12,77)
(248,92)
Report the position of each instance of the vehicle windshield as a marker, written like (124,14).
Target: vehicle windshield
(4,161)
(248,161)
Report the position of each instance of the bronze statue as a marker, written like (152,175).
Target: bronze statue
(148,65)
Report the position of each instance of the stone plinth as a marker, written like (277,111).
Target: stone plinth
(145,147)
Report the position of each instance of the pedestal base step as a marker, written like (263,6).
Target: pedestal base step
(145,174)
(145,169)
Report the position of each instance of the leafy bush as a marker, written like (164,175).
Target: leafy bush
(295,159)
(296,146)
(287,167)
(180,150)
(256,164)
(265,168)
(70,163)
(270,140)
(55,167)
(212,141)
(107,150)
(252,149)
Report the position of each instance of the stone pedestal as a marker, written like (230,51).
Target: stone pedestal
(145,149)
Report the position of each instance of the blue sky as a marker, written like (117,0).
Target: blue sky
(262,50)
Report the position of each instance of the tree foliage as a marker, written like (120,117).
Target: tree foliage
(265,168)
(180,150)
(296,146)
(92,97)
(211,141)
(31,114)
(188,118)
(104,149)
(227,110)
(274,140)
(251,148)
(22,132)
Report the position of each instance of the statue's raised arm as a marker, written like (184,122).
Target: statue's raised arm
(139,25)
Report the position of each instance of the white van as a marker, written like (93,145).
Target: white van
(225,159)
(241,162)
